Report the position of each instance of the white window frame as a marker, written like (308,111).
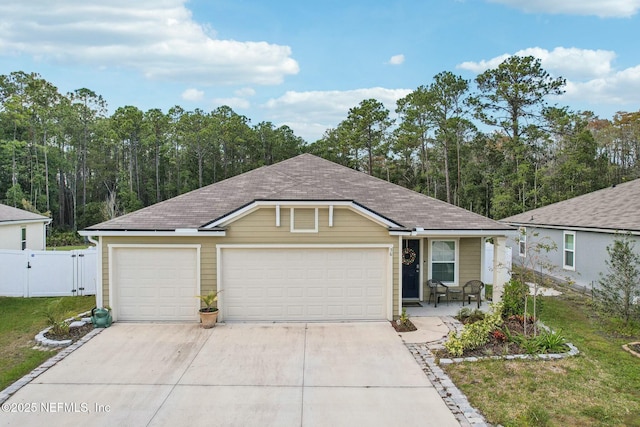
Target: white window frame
(565,250)
(522,242)
(456,263)
(23,238)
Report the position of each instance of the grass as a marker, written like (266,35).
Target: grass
(20,320)
(599,387)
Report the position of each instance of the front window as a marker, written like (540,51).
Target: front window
(569,250)
(443,260)
(522,241)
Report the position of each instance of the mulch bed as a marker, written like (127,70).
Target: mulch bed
(635,347)
(406,326)
(74,333)
(496,346)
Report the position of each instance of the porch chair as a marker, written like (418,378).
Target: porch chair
(472,289)
(436,290)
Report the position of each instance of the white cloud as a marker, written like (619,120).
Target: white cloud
(157,38)
(192,95)
(592,80)
(601,8)
(234,102)
(245,91)
(310,113)
(396,59)
(567,62)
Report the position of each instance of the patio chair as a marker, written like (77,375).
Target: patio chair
(472,289)
(436,290)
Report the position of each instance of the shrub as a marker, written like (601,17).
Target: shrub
(550,342)
(64,238)
(56,315)
(513,298)
(467,315)
(475,334)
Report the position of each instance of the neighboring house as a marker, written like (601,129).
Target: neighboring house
(302,240)
(581,228)
(20,229)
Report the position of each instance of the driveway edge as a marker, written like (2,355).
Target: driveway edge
(53,360)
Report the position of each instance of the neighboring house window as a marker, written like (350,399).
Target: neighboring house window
(569,249)
(443,260)
(522,241)
(23,241)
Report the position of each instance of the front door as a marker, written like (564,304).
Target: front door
(410,256)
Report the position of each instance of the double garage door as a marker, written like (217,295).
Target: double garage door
(259,284)
(300,284)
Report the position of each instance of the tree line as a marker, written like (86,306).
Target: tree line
(493,145)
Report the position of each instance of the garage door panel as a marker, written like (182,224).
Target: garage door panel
(304,284)
(156,284)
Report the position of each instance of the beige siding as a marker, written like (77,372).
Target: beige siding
(470,259)
(259,227)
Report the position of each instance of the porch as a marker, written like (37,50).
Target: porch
(453,260)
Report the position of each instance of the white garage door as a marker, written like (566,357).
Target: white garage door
(304,284)
(155,283)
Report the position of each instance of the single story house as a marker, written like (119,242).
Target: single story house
(20,229)
(581,229)
(301,240)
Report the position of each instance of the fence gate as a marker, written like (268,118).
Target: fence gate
(47,273)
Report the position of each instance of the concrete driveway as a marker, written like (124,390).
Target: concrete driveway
(329,374)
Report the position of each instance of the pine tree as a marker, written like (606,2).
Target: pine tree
(620,288)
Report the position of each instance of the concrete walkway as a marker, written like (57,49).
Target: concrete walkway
(237,374)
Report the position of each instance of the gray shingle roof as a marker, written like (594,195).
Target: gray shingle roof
(613,208)
(302,178)
(9,213)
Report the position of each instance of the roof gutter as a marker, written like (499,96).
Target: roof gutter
(462,233)
(573,228)
(184,232)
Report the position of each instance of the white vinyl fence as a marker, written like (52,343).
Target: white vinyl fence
(47,273)
(487,272)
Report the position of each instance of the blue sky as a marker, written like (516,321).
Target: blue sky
(304,64)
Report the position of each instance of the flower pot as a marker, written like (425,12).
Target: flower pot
(208,318)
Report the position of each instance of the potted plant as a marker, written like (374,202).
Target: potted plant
(209,313)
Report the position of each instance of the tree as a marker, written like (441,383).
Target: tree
(367,124)
(512,98)
(619,290)
(446,111)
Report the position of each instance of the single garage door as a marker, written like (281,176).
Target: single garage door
(304,284)
(155,283)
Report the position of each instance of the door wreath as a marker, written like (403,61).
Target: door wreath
(408,256)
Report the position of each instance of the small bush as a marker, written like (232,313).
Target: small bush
(550,342)
(476,334)
(513,297)
(55,314)
(467,315)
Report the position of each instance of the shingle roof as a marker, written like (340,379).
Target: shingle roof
(8,213)
(613,208)
(302,178)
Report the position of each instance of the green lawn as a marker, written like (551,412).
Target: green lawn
(20,320)
(599,387)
